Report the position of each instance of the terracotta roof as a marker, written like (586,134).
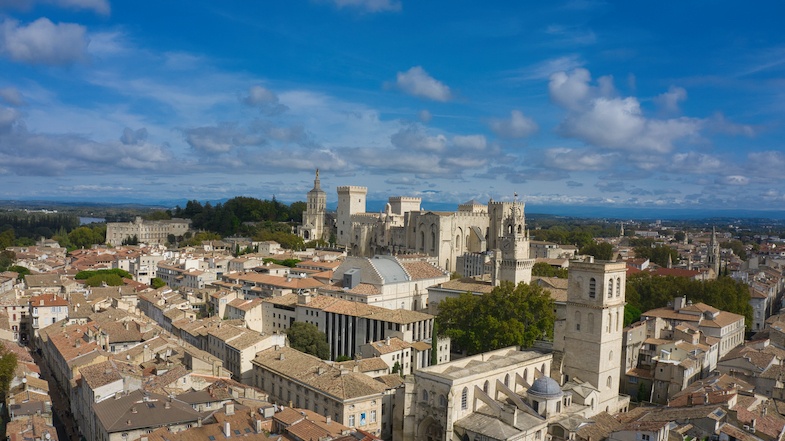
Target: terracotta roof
(394,344)
(48,300)
(423,270)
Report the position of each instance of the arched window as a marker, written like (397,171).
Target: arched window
(618,287)
(485,386)
(433,241)
(610,356)
(610,319)
(458,243)
(617,321)
(577,320)
(507,380)
(425,396)
(610,288)
(465,399)
(509,229)
(520,229)
(592,288)
(422,239)
(609,381)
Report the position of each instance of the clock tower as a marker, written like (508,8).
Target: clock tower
(514,263)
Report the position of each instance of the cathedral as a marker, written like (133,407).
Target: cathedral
(314,216)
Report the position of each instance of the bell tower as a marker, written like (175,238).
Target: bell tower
(314,214)
(594,327)
(515,265)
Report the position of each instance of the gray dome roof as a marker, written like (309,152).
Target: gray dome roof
(546,387)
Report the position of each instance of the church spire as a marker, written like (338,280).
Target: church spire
(316,184)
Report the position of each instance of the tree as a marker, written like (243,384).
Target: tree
(543,269)
(7,259)
(7,368)
(509,315)
(157,282)
(600,251)
(679,236)
(306,337)
(21,270)
(737,247)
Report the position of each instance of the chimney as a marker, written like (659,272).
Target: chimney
(227,429)
(229,408)
(258,425)
(387,341)
(328,420)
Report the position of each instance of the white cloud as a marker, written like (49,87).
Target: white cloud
(669,101)
(518,126)
(415,138)
(570,90)
(11,96)
(264,99)
(599,118)
(43,42)
(546,68)
(736,180)
(563,158)
(370,5)
(470,142)
(417,82)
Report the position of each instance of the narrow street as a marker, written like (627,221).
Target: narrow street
(61,411)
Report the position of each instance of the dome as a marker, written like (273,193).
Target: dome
(546,387)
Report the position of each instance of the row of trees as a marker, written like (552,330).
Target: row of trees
(645,292)
(230,218)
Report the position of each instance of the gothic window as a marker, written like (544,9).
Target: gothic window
(577,320)
(610,325)
(592,288)
(610,356)
(520,229)
(507,380)
(485,387)
(617,321)
(465,399)
(425,396)
(618,287)
(609,381)
(433,241)
(610,288)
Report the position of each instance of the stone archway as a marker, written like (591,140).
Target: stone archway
(430,430)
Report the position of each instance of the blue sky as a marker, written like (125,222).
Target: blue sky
(618,104)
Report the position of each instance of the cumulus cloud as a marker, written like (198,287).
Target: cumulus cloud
(98,6)
(220,138)
(370,5)
(415,138)
(470,142)
(133,137)
(720,124)
(518,126)
(264,99)
(11,96)
(694,162)
(669,101)
(43,42)
(599,118)
(417,82)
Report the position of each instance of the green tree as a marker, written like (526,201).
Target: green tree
(600,251)
(158,215)
(7,259)
(101,279)
(543,269)
(679,236)
(658,254)
(737,247)
(157,282)
(21,270)
(341,358)
(306,337)
(509,315)
(7,369)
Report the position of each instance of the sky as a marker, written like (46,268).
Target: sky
(579,102)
